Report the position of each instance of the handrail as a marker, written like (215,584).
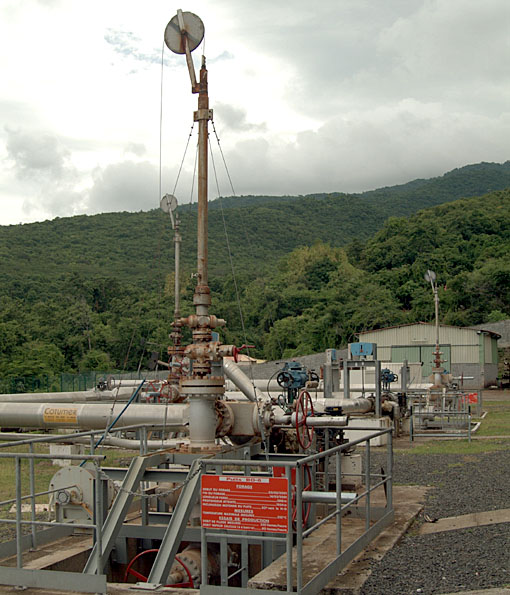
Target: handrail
(372,525)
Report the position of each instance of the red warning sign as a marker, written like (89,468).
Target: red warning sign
(244,503)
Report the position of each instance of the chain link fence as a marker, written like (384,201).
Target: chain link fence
(69,382)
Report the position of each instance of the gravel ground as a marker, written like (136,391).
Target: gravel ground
(451,561)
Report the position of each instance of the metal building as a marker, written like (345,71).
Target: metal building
(467,352)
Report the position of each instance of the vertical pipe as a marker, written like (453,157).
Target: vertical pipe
(177,288)
(203,104)
(288,475)
(19,555)
(367,486)
(377,367)
(299,527)
(31,463)
(338,487)
(436,307)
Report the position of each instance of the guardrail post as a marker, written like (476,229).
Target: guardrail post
(389,474)
(299,528)
(19,555)
(98,511)
(203,538)
(31,463)
(367,486)
(338,486)
(288,475)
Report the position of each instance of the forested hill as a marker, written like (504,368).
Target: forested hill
(136,248)
(315,297)
(322,296)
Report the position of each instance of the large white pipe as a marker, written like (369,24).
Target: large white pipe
(243,383)
(92,416)
(67,397)
(108,441)
(349,406)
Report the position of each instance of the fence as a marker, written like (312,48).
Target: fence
(69,382)
(297,496)
(49,579)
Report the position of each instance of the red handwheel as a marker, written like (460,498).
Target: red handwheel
(305,508)
(304,408)
(143,579)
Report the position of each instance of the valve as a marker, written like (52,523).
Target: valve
(237,350)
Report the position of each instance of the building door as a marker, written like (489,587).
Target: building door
(423,354)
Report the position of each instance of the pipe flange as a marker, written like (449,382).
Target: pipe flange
(263,417)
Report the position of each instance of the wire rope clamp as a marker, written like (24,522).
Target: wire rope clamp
(202,114)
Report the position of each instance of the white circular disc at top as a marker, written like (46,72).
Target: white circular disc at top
(194,28)
(168,203)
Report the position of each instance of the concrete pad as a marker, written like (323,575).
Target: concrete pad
(477,519)
(54,556)
(319,549)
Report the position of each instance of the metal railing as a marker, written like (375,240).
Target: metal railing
(50,579)
(376,519)
(439,423)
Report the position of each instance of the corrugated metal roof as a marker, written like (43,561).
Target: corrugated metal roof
(470,328)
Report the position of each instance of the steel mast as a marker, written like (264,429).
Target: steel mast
(183,34)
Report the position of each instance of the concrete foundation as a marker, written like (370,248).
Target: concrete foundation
(368,422)
(319,548)
(66,449)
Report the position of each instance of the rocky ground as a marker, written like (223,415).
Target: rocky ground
(450,561)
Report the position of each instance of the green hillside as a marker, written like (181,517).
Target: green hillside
(95,292)
(136,248)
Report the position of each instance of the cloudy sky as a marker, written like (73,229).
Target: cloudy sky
(332,95)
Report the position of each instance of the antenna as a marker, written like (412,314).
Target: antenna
(430,276)
(168,204)
(183,34)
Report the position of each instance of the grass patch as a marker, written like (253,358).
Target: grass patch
(456,447)
(45,470)
(496,422)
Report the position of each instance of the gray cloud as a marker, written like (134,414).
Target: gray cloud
(137,149)
(389,146)
(124,186)
(37,154)
(345,55)
(235,118)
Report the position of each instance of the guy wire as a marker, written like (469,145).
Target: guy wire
(261,424)
(243,225)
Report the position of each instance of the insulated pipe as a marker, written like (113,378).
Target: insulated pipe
(243,383)
(328,497)
(67,397)
(108,441)
(92,416)
(349,406)
(325,421)
(391,406)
